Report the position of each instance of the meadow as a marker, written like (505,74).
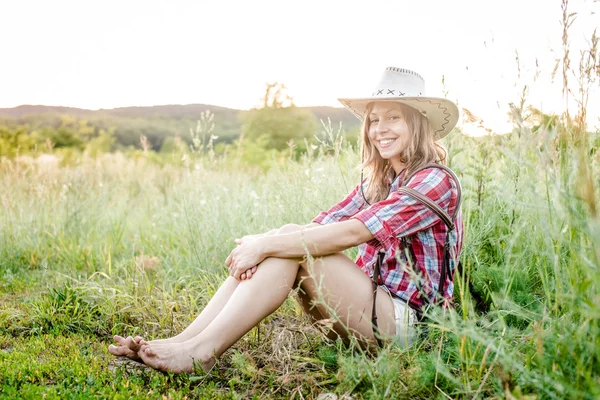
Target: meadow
(128,245)
(97,241)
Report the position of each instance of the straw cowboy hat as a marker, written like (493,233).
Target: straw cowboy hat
(407,87)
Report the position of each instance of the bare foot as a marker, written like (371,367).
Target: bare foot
(129,346)
(176,357)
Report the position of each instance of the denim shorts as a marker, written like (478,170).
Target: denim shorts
(406,320)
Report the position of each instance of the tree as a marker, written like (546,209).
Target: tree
(278,120)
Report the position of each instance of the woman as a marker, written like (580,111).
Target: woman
(399,133)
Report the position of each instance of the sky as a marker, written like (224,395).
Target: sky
(105,54)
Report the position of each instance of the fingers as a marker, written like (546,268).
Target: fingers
(229,259)
(237,274)
(249,273)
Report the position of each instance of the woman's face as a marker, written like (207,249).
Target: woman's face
(388,130)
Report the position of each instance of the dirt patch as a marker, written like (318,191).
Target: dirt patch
(129,366)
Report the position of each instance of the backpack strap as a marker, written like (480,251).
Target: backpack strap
(480,303)
(448,220)
(429,202)
(444,216)
(376,276)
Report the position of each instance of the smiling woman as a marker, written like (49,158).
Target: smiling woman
(398,136)
(409,246)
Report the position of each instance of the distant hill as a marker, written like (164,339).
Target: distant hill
(156,122)
(188,111)
(24,110)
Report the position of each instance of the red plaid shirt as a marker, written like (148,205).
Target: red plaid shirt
(400,216)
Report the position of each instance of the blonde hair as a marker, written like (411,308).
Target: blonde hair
(422,149)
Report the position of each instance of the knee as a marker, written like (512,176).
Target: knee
(287,228)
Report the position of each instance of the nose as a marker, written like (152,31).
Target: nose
(379,127)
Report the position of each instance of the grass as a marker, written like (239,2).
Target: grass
(117,245)
(113,245)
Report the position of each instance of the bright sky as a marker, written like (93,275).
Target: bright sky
(106,54)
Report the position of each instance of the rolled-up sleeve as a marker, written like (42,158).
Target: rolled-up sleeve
(343,210)
(400,215)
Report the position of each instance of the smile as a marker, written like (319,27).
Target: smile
(386,142)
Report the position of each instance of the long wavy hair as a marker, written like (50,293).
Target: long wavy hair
(422,149)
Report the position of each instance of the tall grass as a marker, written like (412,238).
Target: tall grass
(128,245)
(112,245)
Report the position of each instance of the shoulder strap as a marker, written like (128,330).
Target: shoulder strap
(429,203)
(448,220)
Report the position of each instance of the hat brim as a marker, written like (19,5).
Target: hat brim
(441,113)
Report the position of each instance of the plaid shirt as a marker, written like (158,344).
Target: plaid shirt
(401,217)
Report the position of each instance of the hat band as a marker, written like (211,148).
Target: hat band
(394,93)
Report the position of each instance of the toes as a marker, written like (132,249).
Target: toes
(147,350)
(121,340)
(125,342)
(149,358)
(145,356)
(118,339)
(115,350)
(133,344)
(139,341)
(129,342)
(122,351)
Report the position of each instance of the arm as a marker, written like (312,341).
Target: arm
(272,232)
(317,240)
(395,216)
(307,226)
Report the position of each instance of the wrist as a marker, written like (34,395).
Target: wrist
(265,246)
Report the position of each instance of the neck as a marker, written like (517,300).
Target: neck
(397,165)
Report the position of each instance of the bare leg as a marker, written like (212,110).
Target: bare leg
(129,346)
(336,279)
(309,305)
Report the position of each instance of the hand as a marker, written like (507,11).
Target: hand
(248,274)
(245,258)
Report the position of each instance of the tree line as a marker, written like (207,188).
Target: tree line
(276,124)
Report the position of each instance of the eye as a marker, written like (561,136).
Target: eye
(394,117)
(373,120)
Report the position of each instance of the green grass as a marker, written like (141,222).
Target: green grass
(116,245)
